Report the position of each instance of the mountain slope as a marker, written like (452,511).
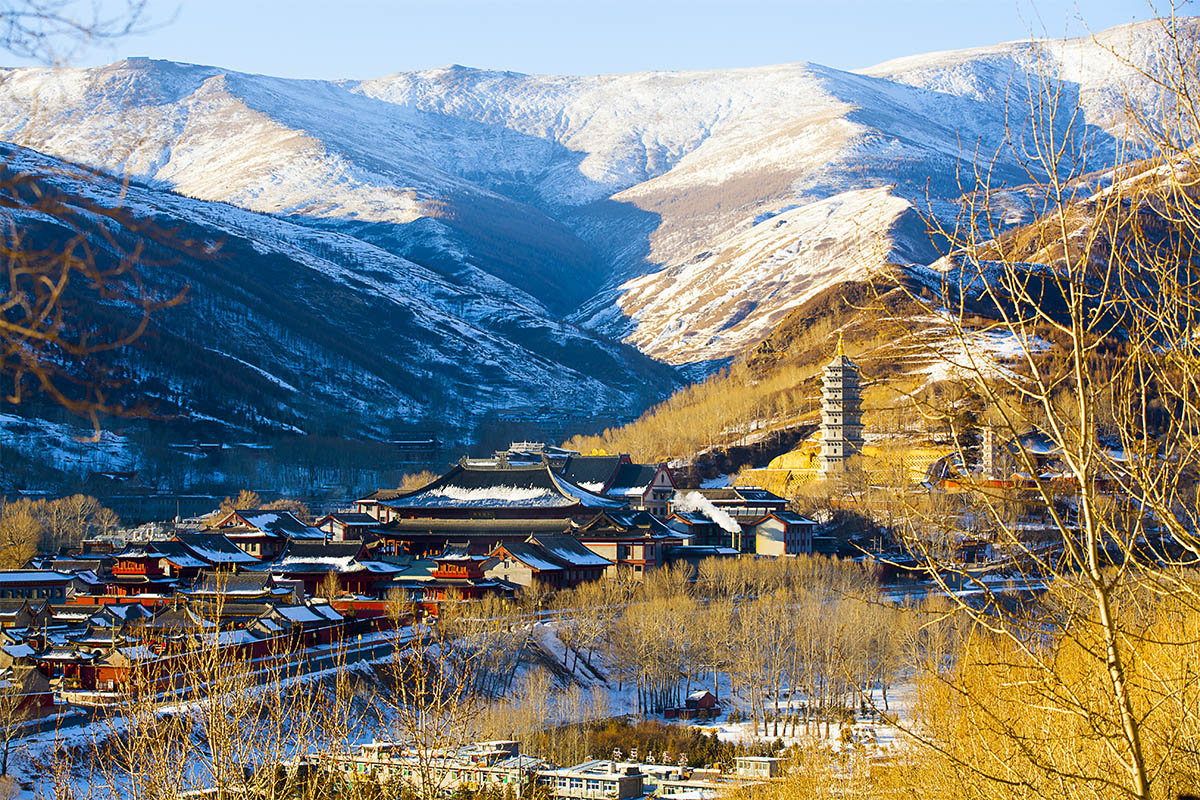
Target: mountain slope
(288,327)
(596,195)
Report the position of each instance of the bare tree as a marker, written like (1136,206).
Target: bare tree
(18,704)
(51,31)
(435,707)
(1061,695)
(62,262)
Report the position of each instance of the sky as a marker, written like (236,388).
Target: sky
(369,38)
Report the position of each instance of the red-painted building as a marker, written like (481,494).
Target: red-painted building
(458,575)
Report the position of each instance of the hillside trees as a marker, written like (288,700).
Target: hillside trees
(70,293)
(246,499)
(27,526)
(1099,298)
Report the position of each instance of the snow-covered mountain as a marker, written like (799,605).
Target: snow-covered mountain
(289,327)
(683,212)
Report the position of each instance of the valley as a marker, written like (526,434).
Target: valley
(476,253)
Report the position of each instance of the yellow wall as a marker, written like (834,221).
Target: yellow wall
(802,465)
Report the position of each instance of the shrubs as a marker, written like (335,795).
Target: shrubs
(669,742)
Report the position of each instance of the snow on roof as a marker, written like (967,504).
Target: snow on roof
(592,473)
(233,637)
(122,611)
(19,576)
(791,518)
(283,523)
(65,654)
(266,519)
(184,559)
(758,495)
(571,550)
(138,652)
(80,613)
(215,548)
(532,556)
(299,614)
(248,583)
(583,496)
(308,532)
(698,503)
(318,612)
(290,563)
(326,610)
(380,566)
(351,518)
(453,553)
(496,495)
(633,479)
(508,487)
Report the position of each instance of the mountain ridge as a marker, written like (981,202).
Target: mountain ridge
(510,223)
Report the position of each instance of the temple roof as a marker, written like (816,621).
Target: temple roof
(632,480)
(570,551)
(618,523)
(476,486)
(316,558)
(591,473)
(283,523)
(748,494)
(215,548)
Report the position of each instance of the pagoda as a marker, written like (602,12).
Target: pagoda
(841,413)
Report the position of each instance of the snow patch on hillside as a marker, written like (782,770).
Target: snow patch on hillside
(734,297)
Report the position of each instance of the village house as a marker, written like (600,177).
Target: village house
(343,526)
(498,765)
(22,613)
(458,575)
(38,584)
(597,778)
(634,541)
(349,563)
(35,697)
(696,530)
(555,561)
(220,587)
(644,487)
(216,549)
(151,569)
(692,783)
(783,533)
(264,533)
(743,503)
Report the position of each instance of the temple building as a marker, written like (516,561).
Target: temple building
(841,410)
(483,489)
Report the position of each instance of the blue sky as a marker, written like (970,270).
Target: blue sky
(366,38)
